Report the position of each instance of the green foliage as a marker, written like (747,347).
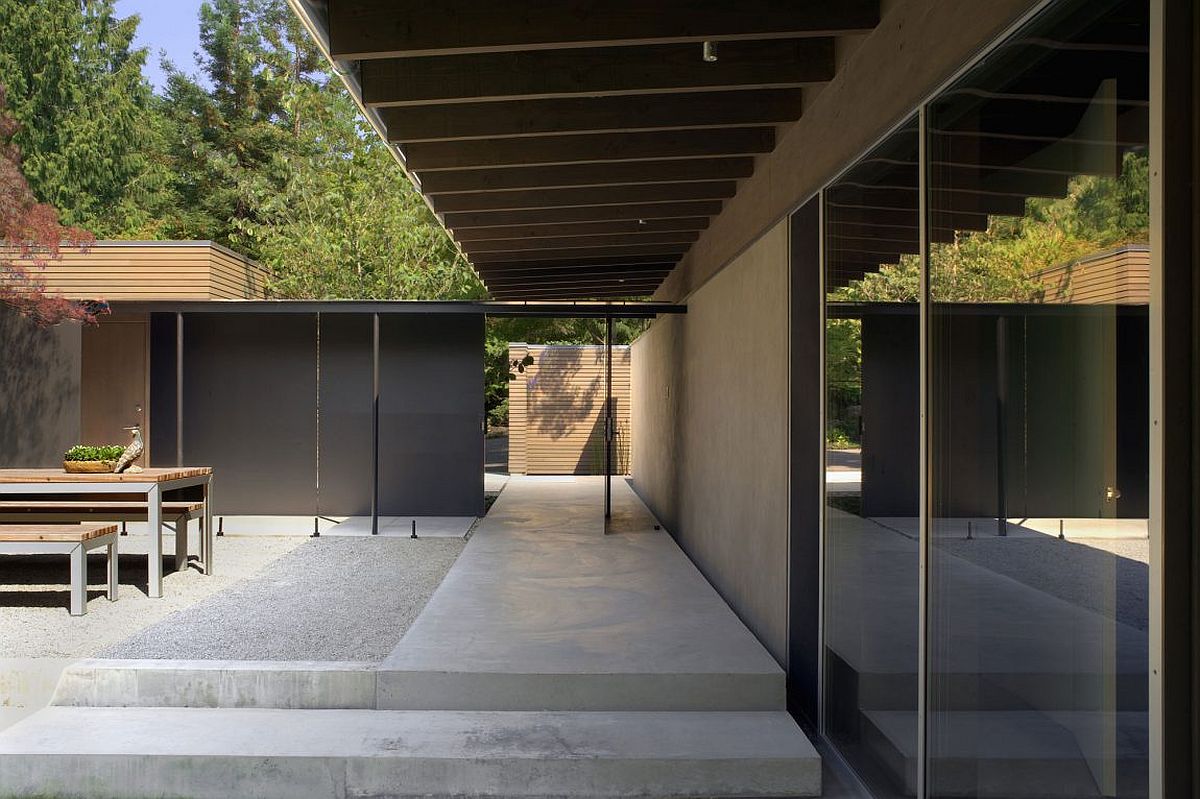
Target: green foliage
(75,84)
(225,139)
(85,452)
(1001,263)
(998,265)
(838,437)
(346,223)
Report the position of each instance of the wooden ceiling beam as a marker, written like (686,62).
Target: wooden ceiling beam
(593,73)
(574,242)
(504,271)
(573,175)
(525,279)
(589,148)
(597,213)
(573,293)
(591,115)
(581,229)
(368,29)
(592,195)
(901,218)
(907,199)
(577,280)
(591,263)
(675,251)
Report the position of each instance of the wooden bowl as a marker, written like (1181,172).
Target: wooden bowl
(88,467)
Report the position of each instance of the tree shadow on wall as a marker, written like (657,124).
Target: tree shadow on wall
(558,403)
(39,390)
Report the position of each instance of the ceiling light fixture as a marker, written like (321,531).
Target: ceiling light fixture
(710,52)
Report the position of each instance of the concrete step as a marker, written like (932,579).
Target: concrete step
(451,689)
(348,685)
(1016,753)
(336,754)
(300,685)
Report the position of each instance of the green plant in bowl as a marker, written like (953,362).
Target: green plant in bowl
(84,452)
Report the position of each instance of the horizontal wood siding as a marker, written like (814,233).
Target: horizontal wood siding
(517,414)
(556,410)
(234,276)
(1114,277)
(151,271)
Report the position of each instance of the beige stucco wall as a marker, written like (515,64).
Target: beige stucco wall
(710,393)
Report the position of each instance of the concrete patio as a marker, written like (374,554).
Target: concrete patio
(555,659)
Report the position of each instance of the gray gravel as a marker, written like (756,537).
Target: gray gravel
(34,594)
(1108,576)
(329,599)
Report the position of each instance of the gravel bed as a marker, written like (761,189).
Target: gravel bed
(34,594)
(329,599)
(1108,576)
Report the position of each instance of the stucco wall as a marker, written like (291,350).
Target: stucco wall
(39,391)
(710,404)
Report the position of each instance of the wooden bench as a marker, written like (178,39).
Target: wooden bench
(178,514)
(66,539)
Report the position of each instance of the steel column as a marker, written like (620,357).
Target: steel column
(375,427)
(608,417)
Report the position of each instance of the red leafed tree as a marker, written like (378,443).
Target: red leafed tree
(30,236)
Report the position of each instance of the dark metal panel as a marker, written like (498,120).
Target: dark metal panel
(1179,51)
(890,402)
(39,390)
(345,426)
(431,415)
(250,410)
(805,455)
(163,411)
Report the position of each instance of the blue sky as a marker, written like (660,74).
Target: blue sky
(169,25)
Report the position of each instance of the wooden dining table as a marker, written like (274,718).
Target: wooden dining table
(151,483)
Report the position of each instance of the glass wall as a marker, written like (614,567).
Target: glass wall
(872,246)
(1034,290)
(1039,423)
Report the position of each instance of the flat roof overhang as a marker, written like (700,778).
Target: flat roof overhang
(574,149)
(565,310)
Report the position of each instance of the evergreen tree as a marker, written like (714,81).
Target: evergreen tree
(258,63)
(74,83)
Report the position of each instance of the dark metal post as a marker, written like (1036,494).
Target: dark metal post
(178,389)
(608,417)
(1001,427)
(375,428)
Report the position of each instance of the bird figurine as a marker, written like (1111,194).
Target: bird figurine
(131,453)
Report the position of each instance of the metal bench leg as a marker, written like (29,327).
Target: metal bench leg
(112,571)
(208,527)
(200,529)
(181,543)
(154,524)
(78,581)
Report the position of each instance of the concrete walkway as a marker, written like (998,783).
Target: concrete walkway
(544,610)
